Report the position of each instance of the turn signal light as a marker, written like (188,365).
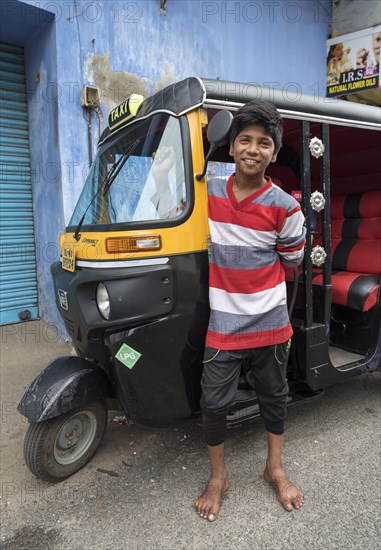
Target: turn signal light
(133,244)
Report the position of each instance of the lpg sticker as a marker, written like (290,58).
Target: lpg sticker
(128,356)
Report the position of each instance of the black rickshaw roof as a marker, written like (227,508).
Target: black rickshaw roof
(190,93)
(175,99)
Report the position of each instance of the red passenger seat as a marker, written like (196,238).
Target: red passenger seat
(356,250)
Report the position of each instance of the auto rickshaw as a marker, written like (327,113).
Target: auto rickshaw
(132,283)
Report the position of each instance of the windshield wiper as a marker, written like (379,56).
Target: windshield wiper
(106,184)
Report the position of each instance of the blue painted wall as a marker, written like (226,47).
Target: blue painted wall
(40,61)
(124,47)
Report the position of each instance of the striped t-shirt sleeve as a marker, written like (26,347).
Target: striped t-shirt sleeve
(292,236)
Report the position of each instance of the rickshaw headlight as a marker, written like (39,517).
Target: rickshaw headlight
(103,300)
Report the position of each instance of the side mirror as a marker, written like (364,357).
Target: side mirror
(218,133)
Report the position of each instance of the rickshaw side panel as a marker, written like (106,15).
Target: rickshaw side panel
(163,386)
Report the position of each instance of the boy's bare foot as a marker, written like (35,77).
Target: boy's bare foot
(208,505)
(288,494)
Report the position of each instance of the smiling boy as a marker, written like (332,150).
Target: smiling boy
(255,227)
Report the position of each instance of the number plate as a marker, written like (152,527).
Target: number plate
(68,257)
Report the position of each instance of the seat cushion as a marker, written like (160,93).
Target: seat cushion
(356,232)
(355,250)
(355,290)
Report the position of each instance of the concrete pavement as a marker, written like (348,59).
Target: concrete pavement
(138,491)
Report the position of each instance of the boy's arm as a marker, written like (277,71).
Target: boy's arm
(292,238)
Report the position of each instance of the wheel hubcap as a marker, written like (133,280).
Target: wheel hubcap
(75,437)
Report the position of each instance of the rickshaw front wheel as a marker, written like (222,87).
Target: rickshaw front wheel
(57,448)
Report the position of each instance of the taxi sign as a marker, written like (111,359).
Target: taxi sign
(68,257)
(124,111)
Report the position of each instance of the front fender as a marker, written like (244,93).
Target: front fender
(66,383)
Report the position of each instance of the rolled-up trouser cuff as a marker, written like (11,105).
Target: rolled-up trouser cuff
(276,428)
(214,427)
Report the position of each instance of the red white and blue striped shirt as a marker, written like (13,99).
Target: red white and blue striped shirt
(249,242)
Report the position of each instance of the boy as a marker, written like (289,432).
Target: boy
(255,227)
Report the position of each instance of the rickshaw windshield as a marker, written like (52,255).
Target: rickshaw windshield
(137,177)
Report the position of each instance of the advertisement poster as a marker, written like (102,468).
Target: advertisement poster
(353,62)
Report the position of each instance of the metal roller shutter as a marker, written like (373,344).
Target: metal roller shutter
(18,281)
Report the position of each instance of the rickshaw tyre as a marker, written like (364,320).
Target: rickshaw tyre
(40,440)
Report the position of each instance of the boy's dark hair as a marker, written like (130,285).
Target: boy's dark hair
(262,113)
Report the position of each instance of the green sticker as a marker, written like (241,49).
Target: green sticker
(128,356)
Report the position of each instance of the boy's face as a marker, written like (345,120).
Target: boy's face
(253,150)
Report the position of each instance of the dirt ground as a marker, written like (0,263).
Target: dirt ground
(138,490)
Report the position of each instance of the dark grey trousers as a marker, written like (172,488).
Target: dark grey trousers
(219,384)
